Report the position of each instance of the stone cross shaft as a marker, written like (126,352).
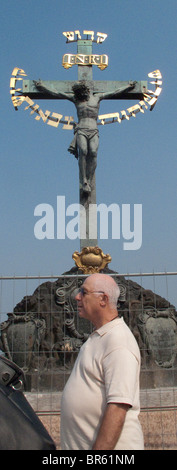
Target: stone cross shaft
(85,143)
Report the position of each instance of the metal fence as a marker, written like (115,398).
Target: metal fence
(45,298)
(14,288)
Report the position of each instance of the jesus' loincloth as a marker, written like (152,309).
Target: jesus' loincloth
(88,133)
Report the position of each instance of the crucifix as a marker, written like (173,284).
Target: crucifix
(86,94)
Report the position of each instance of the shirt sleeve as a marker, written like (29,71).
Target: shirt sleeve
(121,373)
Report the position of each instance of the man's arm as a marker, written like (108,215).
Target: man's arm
(41,87)
(119,91)
(111,426)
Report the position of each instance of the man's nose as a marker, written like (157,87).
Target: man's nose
(78,295)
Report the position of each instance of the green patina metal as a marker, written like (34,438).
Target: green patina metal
(97,86)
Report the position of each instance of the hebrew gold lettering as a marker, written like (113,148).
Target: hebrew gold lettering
(34,109)
(146,97)
(17,71)
(157,82)
(12,92)
(111,115)
(43,116)
(69,35)
(101,37)
(124,115)
(134,110)
(78,34)
(89,33)
(152,101)
(22,72)
(150,92)
(13,82)
(68,125)
(149,97)
(155,74)
(141,109)
(17,100)
(55,116)
(142,103)
(29,101)
(157,91)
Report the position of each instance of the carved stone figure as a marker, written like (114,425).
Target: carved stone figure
(21,337)
(86,140)
(156,332)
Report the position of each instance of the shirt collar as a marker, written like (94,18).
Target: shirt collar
(108,326)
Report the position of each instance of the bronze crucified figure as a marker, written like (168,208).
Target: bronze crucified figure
(86,137)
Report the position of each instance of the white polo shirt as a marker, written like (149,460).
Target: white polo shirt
(106,370)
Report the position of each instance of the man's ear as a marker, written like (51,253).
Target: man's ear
(104,300)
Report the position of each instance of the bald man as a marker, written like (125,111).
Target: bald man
(100,402)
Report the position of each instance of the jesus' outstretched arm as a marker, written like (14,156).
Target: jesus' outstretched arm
(51,91)
(119,91)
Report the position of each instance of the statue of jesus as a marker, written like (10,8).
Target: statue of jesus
(86,137)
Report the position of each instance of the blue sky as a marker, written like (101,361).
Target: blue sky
(136,159)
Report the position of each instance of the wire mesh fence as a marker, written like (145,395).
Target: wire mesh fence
(42,332)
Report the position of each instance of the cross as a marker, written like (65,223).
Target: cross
(86,95)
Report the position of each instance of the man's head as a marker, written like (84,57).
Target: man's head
(97,299)
(81,91)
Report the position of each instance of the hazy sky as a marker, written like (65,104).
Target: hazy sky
(136,159)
